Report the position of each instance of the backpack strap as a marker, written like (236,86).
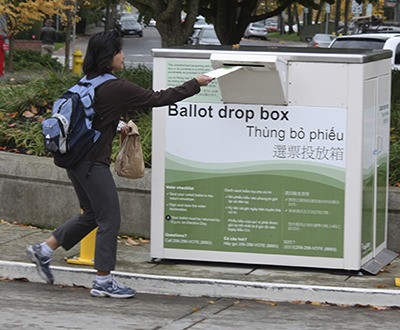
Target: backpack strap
(87,86)
(88,101)
(97,81)
(86,89)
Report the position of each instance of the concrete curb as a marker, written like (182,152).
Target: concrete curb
(214,288)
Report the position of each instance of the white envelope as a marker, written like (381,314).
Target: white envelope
(222,71)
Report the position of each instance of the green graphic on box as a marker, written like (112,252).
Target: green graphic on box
(272,207)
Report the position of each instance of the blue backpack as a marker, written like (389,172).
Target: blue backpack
(68,133)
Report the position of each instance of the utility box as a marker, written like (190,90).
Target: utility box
(281,160)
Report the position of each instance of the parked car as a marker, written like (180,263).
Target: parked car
(152,23)
(129,26)
(321,40)
(200,22)
(271,26)
(389,41)
(205,36)
(256,29)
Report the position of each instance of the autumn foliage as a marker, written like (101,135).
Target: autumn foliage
(21,15)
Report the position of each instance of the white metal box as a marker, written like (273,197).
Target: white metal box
(284,162)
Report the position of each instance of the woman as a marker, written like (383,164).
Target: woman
(97,193)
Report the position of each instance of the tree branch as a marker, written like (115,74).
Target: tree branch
(273,13)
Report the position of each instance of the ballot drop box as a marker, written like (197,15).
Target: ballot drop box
(281,160)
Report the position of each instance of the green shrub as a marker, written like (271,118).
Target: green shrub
(31,60)
(140,75)
(37,92)
(24,105)
(33,31)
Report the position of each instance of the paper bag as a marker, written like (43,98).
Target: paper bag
(129,162)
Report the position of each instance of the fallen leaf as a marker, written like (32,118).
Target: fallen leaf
(133,242)
(34,109)
(4,279)
(144,241)
(195,309)
(298,302)
(380,308)
(28,114)
(381,286)
(270,303)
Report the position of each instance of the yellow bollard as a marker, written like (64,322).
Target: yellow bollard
(86,256)
(397,281)
(77,61)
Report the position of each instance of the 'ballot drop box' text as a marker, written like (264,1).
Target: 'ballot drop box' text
(281,160)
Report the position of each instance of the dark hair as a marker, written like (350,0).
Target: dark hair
(100,52)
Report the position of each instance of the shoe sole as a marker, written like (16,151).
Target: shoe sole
(101,294)
(32,257)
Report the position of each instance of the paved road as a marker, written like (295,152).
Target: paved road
(138,50)
(25,305)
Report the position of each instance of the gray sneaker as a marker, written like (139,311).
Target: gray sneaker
(42,262)
(111,289)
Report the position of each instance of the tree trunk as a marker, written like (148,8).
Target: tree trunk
(296,17)
(310,16)
(317,18)
(346,16)
(290,19)
(172,33)
(337,15)
(68,29)
(281,24)
(232,19)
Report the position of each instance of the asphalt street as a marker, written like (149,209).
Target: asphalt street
(26,305)
(139,50)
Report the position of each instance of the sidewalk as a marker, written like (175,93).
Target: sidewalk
(190,278)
